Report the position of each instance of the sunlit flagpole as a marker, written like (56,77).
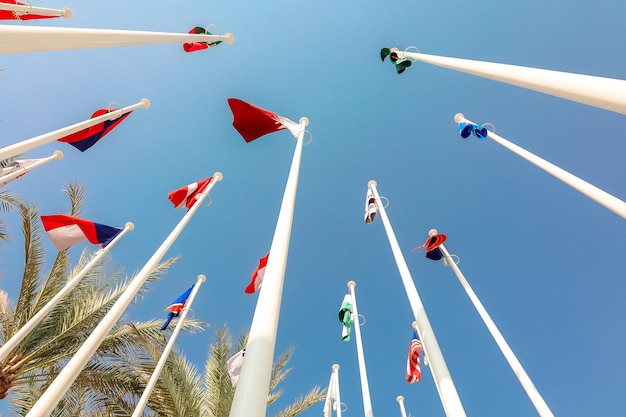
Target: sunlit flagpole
(250,398)
(601,197)
(337,404)
(333,397)
(516,366)
(400,400)
(20,169)
(365,388)
(53,395)
(69,286)
(24,9)
(605,93)
(15,39)
(447,391)
(10,151)
(168,348)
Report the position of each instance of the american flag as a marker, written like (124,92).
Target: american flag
(413,372)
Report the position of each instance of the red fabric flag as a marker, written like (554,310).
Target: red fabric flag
(86,138)
(432,246)
(413,371)
(257,276)
(186,196)
(252,122)
(198,46)
(13,15)
(65,231)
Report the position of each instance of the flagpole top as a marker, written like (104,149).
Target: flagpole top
(201,278)
(146,103)
(399,398)
(67,13)
(414,324)
(129,225)
(335,367)
(372,183)
(58,155)
(458,117)
(351,284)
(230,38)
(432,232)
(304,120)
(218,176)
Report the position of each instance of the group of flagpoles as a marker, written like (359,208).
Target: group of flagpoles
(447,391)
(365,389)
(516,366)
(21,170)
(400,400)
(605,93)
(601,197)
(250,399)
(23,9)
(53,395)
(15,39)
(141,405)
(29,144)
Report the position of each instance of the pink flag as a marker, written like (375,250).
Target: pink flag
(65,231)
(257,276)
(252,122)
(186,196)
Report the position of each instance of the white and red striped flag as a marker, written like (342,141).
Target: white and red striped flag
(186,196)
(252,122)
(413,371)
(257,275)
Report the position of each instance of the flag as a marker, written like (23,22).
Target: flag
(433,251)
(15,165)
(176,307)
(257,275)
(65,231)
(186,196)
(86,138)
(370,207)
(234,366)
(252,122)
(413,372)
(345,317)
(197,46)
(13,15)
(331,396)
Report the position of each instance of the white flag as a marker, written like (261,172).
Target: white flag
(331,394)
(370,207)
(234,366)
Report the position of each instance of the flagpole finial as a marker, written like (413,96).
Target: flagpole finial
(335,367)
(218,176)
(58,155)
(145,102)
(67,13)
(351,284)
(414,324)
(201,278)
(372,183)
(432,232)
(304,120)
(129,226)
(399,398)
(458,117)
(230,38)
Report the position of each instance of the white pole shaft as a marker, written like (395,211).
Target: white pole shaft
(141,405)
(400,400)
(29,144)
(69,286)
(447,391)
(365,388)
(516,366)
(601,197)
(15,39)
(338,396)
(51,397)
(605,93)
(19,171)
(250,398)
(21,9)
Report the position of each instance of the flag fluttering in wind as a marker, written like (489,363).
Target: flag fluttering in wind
(252,122)
(345,317)
(432,246)
(257,275)
(176,307)
(370,207)
(25,13)
(413,372)
(65,231)
(186,196)
(234,364)
(198,46)
(86,138)
(400,63)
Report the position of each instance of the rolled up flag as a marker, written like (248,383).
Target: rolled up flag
(176,307)
(65,231)
(345,317)
(186,196)
(370,207)
(252,122)
(257,276)
(198,46)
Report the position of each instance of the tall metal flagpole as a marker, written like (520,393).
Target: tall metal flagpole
(337,394)
(605,93)
(166,352)
(400,400)
(601,197)
(516,366)
(447,391)
(365,388)
(15,39)
(250,398)
(51,397)
(22,9)
(69,286)
(21,170)
(29,144)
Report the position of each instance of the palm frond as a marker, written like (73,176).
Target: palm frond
(218,387)
(6,315)
(7,202)
(279,373)
(303,402)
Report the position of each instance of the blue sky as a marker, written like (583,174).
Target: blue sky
(546,262)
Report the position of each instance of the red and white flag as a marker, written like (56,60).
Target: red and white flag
(16,165)
(413,371)
(257,276)
(186,196)
(65,231)
(252,122)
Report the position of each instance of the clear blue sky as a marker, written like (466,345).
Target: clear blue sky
(546,261)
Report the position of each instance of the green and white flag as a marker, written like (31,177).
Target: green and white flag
(345,317)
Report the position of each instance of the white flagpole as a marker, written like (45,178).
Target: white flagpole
(53,395)
(447,391)
(250,398)
(601,197)
(400,400)
(69,286)
(166,352)
(337,403)
(365,389)
(24,9)
(516,366)
(18,171)
(29,144)
(605,93)
(15,39)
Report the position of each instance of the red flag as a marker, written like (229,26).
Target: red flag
(432,246)
(252,122)
(86,138)
(186,196)
(13,15)
(413,371)
(198,46)
(65,231)
(257,276)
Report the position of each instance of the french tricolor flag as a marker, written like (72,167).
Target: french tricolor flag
(186,196)
(86,138)
(252,122)
(65,231)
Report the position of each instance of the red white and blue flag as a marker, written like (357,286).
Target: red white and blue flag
(413,371)
(86,138)
(257,276)
(433,251)
(176,307)
(186,196)
(252,122)
(65,231)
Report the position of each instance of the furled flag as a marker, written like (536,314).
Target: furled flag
(413,372)
(176,307)
(400,63)
(198,46)
(65,231)
(257,275)
(345,317)
(13,15)
(331,396)
(186,196)
(15,165)
(370,207)
(86,138)
(233,364)
(252,122)
(433,251)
